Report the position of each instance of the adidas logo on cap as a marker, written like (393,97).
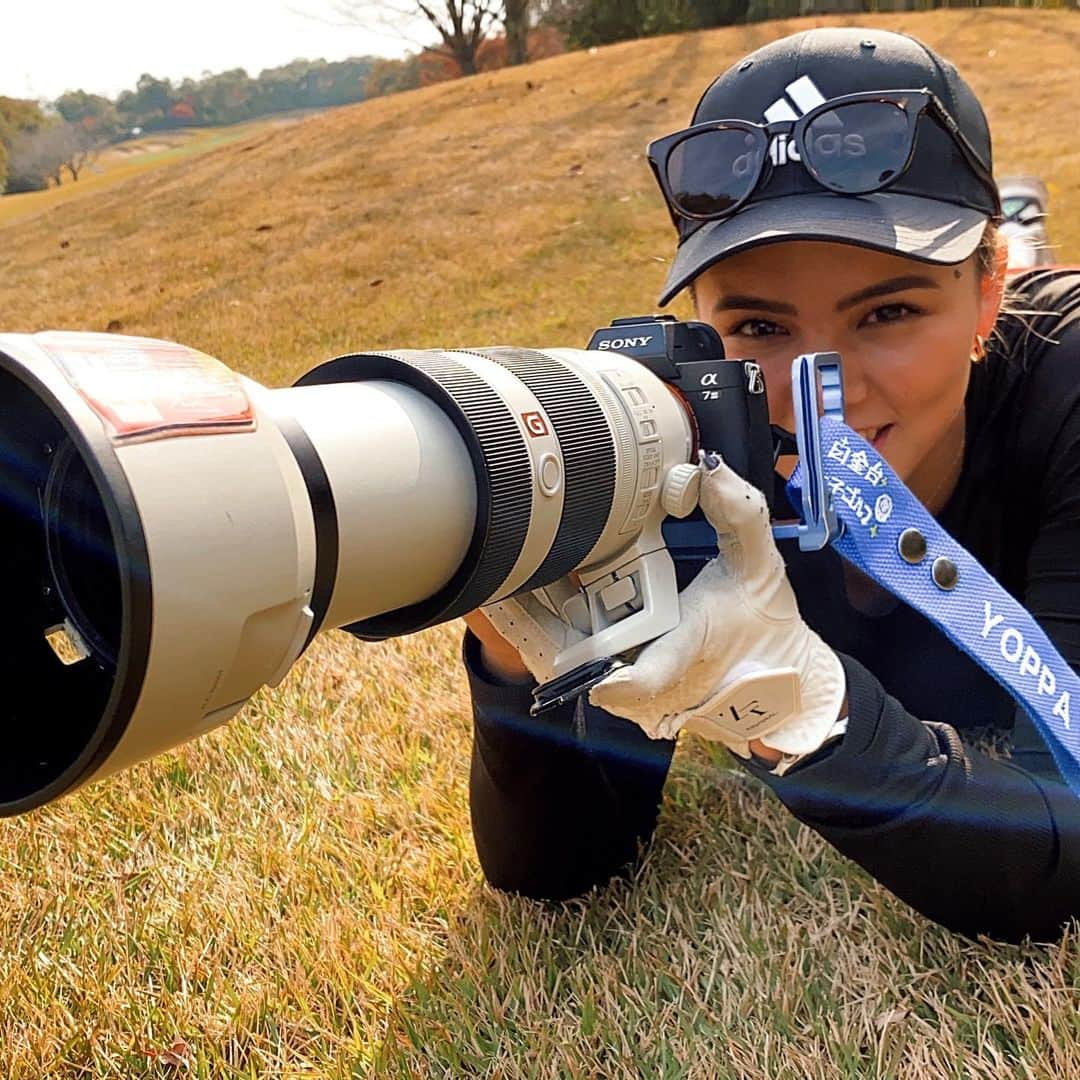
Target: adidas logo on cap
(829,135)
(801,95)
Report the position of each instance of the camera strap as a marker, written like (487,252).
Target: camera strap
(889,535)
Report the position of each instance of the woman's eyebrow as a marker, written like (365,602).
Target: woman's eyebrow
(739,302)
(743,302)
(883,288)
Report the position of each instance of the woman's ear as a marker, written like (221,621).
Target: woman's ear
(992,288)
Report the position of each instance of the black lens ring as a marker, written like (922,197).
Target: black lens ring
(588,453)
(126,681)
(324,517)
(501,464)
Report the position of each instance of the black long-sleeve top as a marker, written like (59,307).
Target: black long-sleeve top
(980,845)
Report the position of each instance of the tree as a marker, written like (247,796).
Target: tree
(79,145)
(225,98)
(17,117)
(94,112)
(392,76)
(516,23)
(36,158)
(462,25)
(149,104)
(43,154)
(720,12)
(759,10)
(599,22)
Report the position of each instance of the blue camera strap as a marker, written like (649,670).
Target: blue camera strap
(889,535)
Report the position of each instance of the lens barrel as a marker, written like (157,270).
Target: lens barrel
(178,533)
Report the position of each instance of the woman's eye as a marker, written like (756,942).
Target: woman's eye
(757,328)
(888,313)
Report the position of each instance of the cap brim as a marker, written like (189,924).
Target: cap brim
(917,228)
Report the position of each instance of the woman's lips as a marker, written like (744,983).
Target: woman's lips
(875,436)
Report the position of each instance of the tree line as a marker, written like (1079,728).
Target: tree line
(50,142)
(599,22)
(477,35)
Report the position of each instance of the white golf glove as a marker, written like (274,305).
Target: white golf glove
(741,665)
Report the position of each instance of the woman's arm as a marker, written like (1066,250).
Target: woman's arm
(561,802)
(979,845)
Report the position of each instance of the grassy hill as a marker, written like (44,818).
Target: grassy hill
(297,895)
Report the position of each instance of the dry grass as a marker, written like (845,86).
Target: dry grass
(297,894)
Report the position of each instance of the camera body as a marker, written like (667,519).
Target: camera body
(726,397)
(727,405)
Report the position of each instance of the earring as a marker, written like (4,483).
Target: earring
(978,352)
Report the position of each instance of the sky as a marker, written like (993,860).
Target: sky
(103,46)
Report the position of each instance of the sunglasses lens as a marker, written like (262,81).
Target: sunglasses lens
(858,147)
(710,171)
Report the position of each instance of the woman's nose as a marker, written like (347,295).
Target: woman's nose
(856,385)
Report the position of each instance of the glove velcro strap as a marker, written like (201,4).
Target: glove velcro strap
(750,707)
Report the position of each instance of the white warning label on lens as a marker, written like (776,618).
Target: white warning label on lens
(145,389)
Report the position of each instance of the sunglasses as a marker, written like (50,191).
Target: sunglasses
(852,145)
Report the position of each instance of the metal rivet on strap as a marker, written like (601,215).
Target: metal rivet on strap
(912,546)
(944,573)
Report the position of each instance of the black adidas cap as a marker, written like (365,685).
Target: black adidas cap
(936,210)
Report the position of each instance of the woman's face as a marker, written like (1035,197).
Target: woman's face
(904,329)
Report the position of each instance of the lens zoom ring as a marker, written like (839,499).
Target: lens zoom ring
(503,478)
(588,453)
(509,475)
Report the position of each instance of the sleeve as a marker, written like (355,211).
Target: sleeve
(561,802)
(982,846)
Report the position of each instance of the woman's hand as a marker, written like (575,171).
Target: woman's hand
(741,667)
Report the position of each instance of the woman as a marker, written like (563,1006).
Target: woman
(868,228)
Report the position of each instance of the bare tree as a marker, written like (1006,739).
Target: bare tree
(462,25)
(43,155)
(81,146)
(36,158)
